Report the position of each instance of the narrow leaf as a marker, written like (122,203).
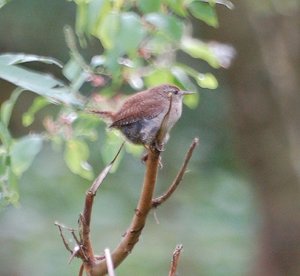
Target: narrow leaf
(204,12)
(168,25)
(42,84)
(5,137)
(37,105)
(7,106)
(147,6)
(23,151)
(12,59)
(207,80)
(198,49)
(76,155)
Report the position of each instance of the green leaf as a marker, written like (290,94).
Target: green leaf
(183,79)
(86,126)
(37,105)
(198,49)
(204,12)
(192,100)
(159,76)
(167,25)
(12,59)
(147,6)
(135,150)
(121,32)
(109,29)
(76,155)
(177,6)
(3,2)
(81,19)
(23,151)
(7,106)
(42,84)
(228,4)
(5,136)
(72,70)
(131,32)
(98,9)
(9,193)
(207,80)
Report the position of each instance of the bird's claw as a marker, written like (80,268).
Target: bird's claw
(145,158)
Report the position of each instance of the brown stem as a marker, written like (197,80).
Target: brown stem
(85,218)
(161,199)
(139,219)
(94,265)
(175,259)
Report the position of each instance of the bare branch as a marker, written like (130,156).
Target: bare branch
(60,226)
(85,218)
(101,265)
(132,235)
(159,200)
(175,259)
(104,173)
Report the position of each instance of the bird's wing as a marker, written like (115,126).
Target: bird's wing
(136,108)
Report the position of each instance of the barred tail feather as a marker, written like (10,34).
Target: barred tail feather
(107,116)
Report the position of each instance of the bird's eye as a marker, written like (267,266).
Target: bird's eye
(176,92)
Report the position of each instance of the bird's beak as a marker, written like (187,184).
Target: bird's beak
(187,92)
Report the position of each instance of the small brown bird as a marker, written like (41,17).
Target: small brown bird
(148,114)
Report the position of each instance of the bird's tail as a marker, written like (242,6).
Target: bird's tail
(107,116)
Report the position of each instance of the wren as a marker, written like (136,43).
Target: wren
(148,114)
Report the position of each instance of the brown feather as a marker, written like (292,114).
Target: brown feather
(138,107)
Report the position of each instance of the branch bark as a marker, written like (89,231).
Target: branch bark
(97,265)
(161,199)
(139,219)
(175,260)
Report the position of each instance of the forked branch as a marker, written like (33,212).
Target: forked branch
(97,265)
(133,233)
(161,199)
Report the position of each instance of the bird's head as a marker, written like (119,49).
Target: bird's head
(168,90)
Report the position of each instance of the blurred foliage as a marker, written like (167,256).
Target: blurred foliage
(140,40)
(3,2)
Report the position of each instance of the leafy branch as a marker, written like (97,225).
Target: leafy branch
(158,30)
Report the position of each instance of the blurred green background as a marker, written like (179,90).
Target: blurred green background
(236,212)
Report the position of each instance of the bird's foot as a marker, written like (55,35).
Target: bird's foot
(159,147)
(145,158)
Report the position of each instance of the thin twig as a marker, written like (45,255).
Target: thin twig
(63,237)
(85,218)
(78,250)
(159,200)
(104,173)
(74,253)
(175,259)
